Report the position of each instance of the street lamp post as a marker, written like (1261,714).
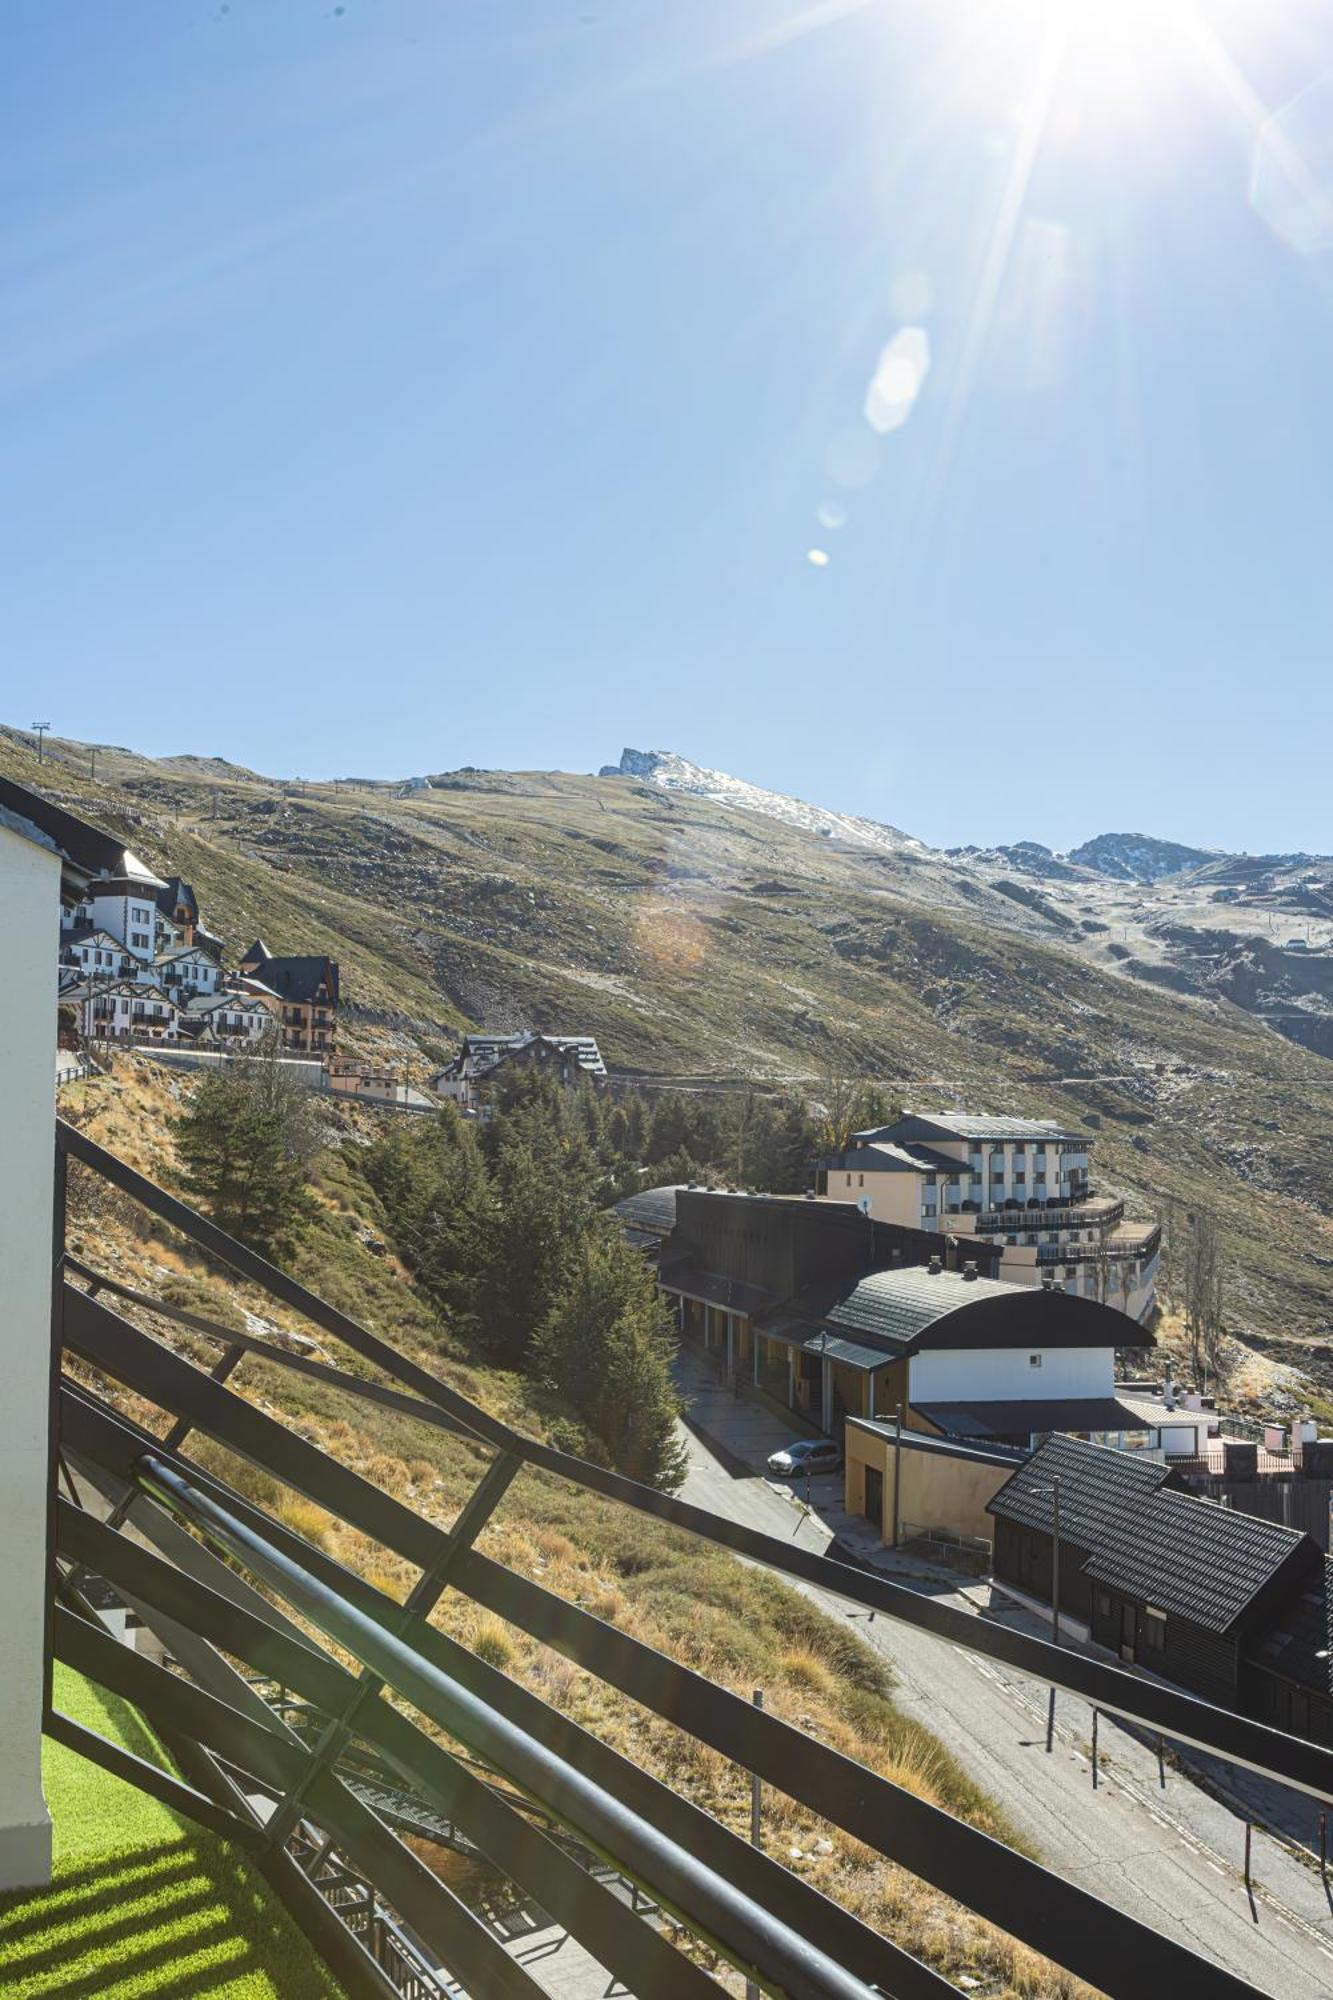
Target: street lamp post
(39,730)
(1055,1599)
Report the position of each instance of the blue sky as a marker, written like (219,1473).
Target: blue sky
(416,383)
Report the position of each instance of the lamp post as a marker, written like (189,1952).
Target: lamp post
(1040,1493)
(39,730)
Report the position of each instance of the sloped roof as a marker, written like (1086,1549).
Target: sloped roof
(1181,1554)
(878,1156)
(84,933)
(694,1282)
(483,1052)
(947,1125)
(257,953)
(298,979)
(1098,1487)
(1204,1562)
(174,891)
(651,1210)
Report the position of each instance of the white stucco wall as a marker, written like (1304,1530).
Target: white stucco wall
(30,900)
(1006,1374)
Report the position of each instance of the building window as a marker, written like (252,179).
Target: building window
(849,1180)
(860,1180)
(1154,1627)
(1034,1361)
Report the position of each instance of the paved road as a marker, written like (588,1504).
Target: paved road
(1172,1859)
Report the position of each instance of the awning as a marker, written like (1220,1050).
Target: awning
(711,1290)
(851,1352)
(1021,1419)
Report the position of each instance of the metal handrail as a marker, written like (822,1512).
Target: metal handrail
(645,1831)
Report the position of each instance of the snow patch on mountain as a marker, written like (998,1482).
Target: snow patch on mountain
(677,774)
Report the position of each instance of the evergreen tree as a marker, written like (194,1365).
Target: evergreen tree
(606,1346)
(543,1183)
(246,1141)
(437,1196)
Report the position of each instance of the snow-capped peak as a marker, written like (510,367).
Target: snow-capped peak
(677,774)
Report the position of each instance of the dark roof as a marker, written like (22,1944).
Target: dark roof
(1204,1562)
(1300,1645)
(1186,1556)
(1098,1487)
(173,892)
(298,979)
(877,1156)
(91,849)
(916,1308)
(487,1052)
(652,1211)
(947,1125)
(256,954)
(854,1353)
(696,1283)
(1022,1418)
(82,932)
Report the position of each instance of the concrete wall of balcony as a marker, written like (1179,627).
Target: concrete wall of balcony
(30,897)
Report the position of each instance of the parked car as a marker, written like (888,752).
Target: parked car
(805,1457)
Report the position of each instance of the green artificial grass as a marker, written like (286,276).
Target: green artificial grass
(143,1903)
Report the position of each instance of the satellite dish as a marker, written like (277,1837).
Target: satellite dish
(864,1204)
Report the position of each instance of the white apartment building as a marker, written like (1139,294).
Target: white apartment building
(125,907)
(1020,1182)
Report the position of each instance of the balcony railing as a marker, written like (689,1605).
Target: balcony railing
(245,1603)
(1093,1253)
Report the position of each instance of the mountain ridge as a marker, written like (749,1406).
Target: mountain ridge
(702,942)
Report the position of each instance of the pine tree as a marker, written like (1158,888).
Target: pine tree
(246,1142)
(437,1195)
(542,1182)
(606,1347)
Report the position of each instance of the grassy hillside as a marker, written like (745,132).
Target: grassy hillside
(694,938)
(733,1623)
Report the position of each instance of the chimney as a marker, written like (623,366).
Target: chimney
(934,1267)
(969,1271)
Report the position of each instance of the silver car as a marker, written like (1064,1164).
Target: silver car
(804,1458)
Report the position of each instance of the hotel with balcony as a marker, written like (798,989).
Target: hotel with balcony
(1020,1183)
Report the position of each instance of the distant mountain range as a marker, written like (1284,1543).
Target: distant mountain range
(1122,857)
(705,930)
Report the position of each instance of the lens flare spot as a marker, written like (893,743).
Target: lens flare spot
(817,558)
(898,379)
(832,514)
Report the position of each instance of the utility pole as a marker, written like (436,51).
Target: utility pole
(40,729)
(897,1466)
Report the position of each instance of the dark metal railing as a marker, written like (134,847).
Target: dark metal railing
(253,1591)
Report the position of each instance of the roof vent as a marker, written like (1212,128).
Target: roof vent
(969,1270)
(934,1267)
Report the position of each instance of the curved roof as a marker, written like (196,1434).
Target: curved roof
(920,1308)
(651,1209)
